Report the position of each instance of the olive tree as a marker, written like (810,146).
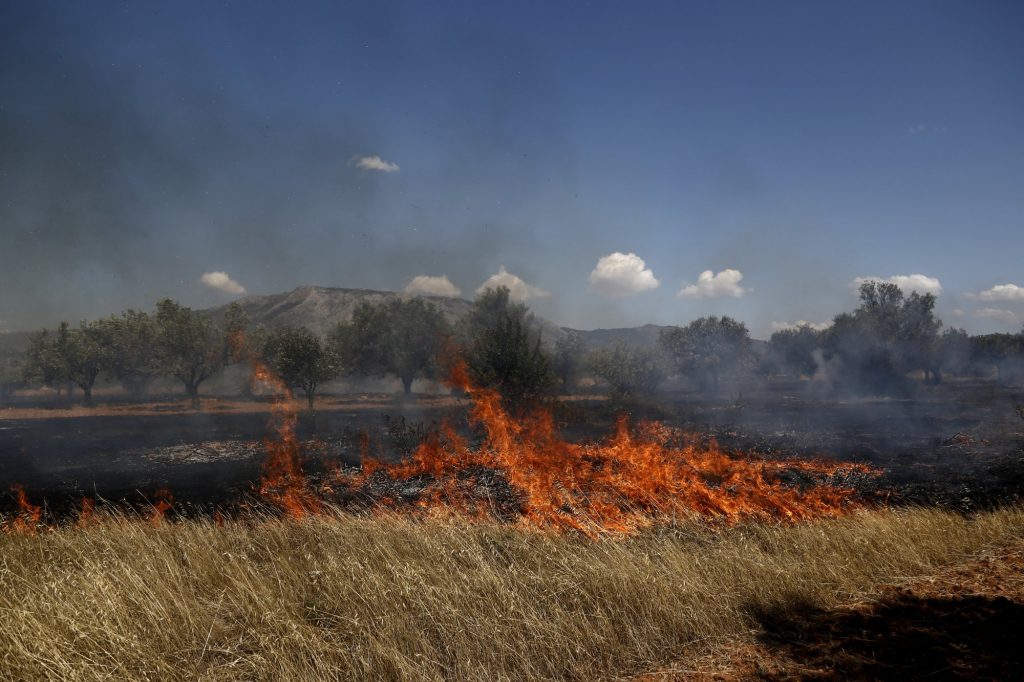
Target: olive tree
(301,359)
(629,370)
(504,349)
(189,347)
(399,337)
(706,348)
(568,361)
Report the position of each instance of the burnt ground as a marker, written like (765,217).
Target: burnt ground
(962,623)
(960,444)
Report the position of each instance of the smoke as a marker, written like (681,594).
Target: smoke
(427,285)
(222,282)
(709,285)
(621,274)
(816,326)
(1007,317)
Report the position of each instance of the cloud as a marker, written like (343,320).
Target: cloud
(426,285)
(1007,316)
(816,326)
(518,289)
(223,282)
(1001,292)
(621,274)
(709,285)
(375,163)
(957,312)
(907,283)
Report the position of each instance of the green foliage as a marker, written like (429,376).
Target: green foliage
(188,346)
(45,362)
(70,354)
(887,336)
(568,361)
(793,350)
(707,347)
(400,337)
(630,371)
(131,355)
(504,351)
(301,359)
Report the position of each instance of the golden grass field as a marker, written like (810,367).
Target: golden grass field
(384,597)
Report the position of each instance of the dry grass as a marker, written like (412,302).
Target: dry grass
(387,598)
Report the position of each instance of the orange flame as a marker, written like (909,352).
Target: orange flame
(283,481)
(619,486)
(164,502)
(29,515)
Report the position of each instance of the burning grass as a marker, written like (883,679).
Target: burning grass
(335,596)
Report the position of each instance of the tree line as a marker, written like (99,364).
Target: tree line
(871,349)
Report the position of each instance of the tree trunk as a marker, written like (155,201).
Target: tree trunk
(87,396)
(407,386)
(310,396)
(193,394)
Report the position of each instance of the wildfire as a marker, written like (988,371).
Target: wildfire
(29,515)
(627,483)
(283,481)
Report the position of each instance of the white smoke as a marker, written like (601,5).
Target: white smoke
(816,326)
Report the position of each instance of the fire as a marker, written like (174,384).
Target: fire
(163,503)
(29,515)
(627,483)
(283,481)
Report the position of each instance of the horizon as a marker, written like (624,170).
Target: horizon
(613,168)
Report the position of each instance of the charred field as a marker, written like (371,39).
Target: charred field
(958,446)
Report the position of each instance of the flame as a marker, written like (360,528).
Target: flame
(29,515)
(86,515)
(283,481)
(164,502)
(627,483)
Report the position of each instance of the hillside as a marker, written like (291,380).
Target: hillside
(320,309)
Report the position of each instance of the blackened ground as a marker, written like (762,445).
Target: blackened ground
(959,445)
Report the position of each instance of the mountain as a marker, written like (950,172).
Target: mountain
(320,309)
(642,337)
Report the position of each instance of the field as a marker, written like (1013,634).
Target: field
(877,538)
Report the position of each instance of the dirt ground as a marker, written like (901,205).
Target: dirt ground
(962,623)
(960,444)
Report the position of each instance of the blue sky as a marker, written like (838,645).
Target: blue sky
(787,148)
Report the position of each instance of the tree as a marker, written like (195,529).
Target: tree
(887,336)
(794,349)
(504,351)
(132,353)
(300,359)
(45,360)
(630,371)
(400,337)
(707,347)
(87,352)
(570,351)
(189,347)
(954,353)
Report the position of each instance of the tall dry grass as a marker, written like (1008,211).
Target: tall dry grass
(386,598)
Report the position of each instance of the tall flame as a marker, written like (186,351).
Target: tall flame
(624,484)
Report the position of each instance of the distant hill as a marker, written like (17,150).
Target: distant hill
(643,337)
(320,309)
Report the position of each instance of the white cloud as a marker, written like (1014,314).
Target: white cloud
(957,312)
(375,163)
(709,285)
(621,274)
(518,289)
(223,282)
(816,326)
(922,284)
(1007,316)
(427,285)
(1001,292)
